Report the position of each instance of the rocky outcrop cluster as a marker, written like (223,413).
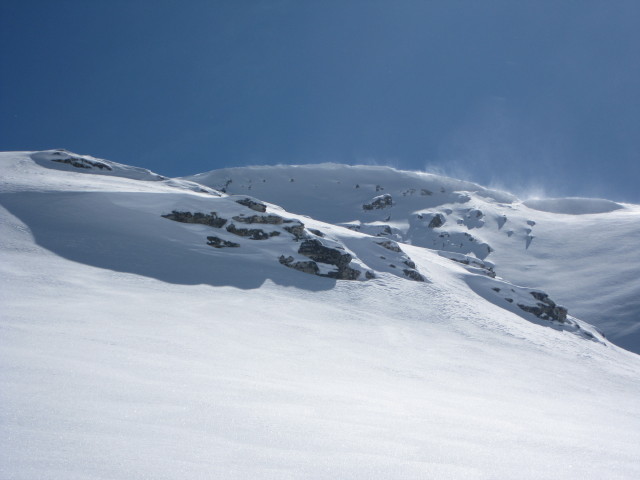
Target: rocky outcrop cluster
(79,162)
(318,252)
(545,308)
(411,271)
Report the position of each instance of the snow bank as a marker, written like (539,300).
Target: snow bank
(573,205)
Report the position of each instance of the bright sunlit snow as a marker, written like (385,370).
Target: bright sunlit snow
(311,322)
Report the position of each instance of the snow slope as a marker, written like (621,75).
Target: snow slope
(584,252)
(131,348)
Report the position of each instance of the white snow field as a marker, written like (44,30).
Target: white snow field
(251,344)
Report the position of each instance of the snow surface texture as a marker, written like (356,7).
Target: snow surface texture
(583,252)
(133,346)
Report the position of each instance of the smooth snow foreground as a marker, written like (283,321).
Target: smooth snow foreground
(129,348)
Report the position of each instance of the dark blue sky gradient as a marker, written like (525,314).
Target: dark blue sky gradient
(537,96)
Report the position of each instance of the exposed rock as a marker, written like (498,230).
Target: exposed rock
(253,205)
(317,233)
(389,245)
(265,219)
(211,219)
(78,162)
(409,263)
(345,273)
(437,221)
(251,233)
(220,243)
(424,192)
(223,189)
(545,308)
(318,252)
(297,230)
(413,275)
(306,266)
(369,275)
(81,162)
(386,230)
(315,250)
(379,188)
(379,202)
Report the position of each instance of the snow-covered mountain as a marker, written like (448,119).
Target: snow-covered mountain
(583,251)
(310,322)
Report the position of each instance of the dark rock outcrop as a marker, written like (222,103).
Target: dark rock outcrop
(545,308)
(297,230)
(251,233)
(379,202)
(413,275)
(210,219)
(264,219)
(389,245)
(253,205)
(306,266)
(220,243)
(437,221)
(318,252)
(315,250)
(81,162)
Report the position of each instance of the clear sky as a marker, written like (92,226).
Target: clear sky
(541,96)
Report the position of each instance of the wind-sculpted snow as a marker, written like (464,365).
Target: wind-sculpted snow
(573,206)
(162,329)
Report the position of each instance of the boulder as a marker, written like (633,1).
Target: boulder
(379,202)
(437,221)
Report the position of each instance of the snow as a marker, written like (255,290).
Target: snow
(131,349)
(573,205)
(581,251)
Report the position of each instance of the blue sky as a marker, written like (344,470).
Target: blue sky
(541,97)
